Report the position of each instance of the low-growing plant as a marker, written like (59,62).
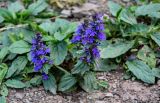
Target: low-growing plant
(133,40)
(64,56)
(18,13)
(43,52)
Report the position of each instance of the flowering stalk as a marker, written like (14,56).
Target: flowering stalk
(88,36)
(39,52)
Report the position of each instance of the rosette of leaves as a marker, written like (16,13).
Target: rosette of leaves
(63,51)
(133,40)
(17,12)
(16,69)
(13,59)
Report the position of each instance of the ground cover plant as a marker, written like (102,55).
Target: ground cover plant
(38,48)
(133,40)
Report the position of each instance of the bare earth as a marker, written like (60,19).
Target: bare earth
(120,91)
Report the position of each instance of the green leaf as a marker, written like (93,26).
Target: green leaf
(49,26)
(37,80)
(156,38)
(28,34)
(29,56)
(3,53)
(12,69)
(25,32)
(156,72)
(7,15)
(28,84)
(4,90)
(65,28)
(62,23)
(104,65)
(15,7)
(137,30)
(3,71)
(46,68)
(17,66)
(58,52)
(71,28)
(89,82)
(13,83)
(127,17)
(48,38)
(114,8)
(3,99)
(147,55)
(59,36)
(21,64)
(11,56)
(28,70)
(19,47)
(80,68)
(37,7)
(115,50)
(141,71)
(50,84)
(103,84)
(1,19)
(152,10)
(5,39)
(66,82)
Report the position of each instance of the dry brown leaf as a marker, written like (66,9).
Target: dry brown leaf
(65,3)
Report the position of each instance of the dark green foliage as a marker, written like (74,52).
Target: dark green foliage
(59,52)
(16,69)
(89,82)
(66,82)
(17,66)
(134,39)
(3,99)
(116,49)
(3,71)
(13,83)
(80,68)
(19,13)
(50,84)
(141,71)
(133,42)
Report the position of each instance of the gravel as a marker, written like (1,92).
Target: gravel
(119,91)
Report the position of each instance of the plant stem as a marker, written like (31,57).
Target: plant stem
(60,68)
(12,27)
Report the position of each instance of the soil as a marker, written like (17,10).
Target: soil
(119,91)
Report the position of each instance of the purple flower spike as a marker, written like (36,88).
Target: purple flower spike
(39,51)
(88,35)
(95,52)
(101,36)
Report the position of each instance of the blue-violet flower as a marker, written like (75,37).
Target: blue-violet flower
(88,36)
(44,76)
(39,52)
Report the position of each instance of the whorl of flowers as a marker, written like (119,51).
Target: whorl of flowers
(39,52)
(88,36)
